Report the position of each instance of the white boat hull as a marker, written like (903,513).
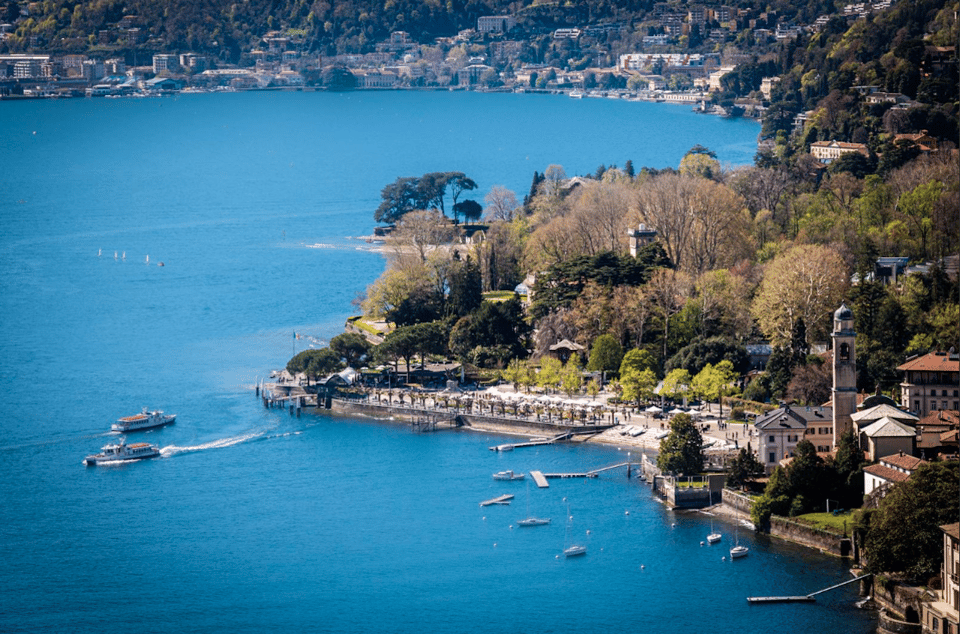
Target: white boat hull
(533,521)
(575,551)
(144,420)
(713,538)
(122,452)
(738,551)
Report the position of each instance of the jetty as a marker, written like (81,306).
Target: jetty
(807,598)
(532,443)
(539,479)
(502,499)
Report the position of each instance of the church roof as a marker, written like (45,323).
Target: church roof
(889,428)
(843,313)
(877,412)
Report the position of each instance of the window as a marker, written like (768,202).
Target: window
(935,623)
(773,457)
(772,439)
(844,352)
(916,406)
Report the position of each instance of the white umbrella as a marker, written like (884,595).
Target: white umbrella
(653,409)
(677,410)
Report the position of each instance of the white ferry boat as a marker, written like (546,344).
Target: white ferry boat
(143,420)
(122,452)
(508,475)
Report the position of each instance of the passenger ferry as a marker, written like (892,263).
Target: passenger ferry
(122,452)
(143,420)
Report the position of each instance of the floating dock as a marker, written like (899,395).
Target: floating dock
(539,479)
(809,598)
(801,599)
(532,443)
(503,499)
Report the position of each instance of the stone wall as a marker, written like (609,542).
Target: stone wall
(809,536)
(889,625)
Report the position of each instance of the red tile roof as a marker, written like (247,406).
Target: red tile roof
(941,418)
(933,362)
(888,474)
(902,461)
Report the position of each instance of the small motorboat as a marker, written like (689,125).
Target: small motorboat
(508,475)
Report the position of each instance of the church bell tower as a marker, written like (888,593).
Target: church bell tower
(844,372)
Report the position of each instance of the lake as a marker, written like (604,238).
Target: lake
(256,521)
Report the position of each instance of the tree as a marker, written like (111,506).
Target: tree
(501,203)
(351,347)
(715,382)
(807,476)
(421,232)
(744,468)
(807,281)
(399,197)
(903,534)
(469,209)
(571,377)
(700,161)
(701,352)
(637,385)
(681,452)
(606,355)
(811,383)
(465,288)
(638,360)
(315,363)
(676,384)
(339,78)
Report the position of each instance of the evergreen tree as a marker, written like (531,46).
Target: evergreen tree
(681,452)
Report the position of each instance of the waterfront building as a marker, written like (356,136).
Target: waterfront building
(779,431)
(844,392)
(942,614)
(889,471)
(164,61)
(931,383)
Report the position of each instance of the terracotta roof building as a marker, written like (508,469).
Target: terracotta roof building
(829,151)
(931,383)
(890,470)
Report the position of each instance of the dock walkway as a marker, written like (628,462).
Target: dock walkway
(502,499)
(808,598)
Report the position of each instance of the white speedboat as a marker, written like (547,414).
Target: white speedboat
(533,521)
(143,420)
(508,475)
(122,452)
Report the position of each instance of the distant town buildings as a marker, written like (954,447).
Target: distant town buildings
(829,151)
(495,23)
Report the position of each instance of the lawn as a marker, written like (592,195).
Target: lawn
(829,521)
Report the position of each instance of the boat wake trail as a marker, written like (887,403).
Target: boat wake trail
(173,450)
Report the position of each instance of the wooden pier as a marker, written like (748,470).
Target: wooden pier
(503,499)
(809,598)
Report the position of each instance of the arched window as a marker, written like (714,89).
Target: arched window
(844,352)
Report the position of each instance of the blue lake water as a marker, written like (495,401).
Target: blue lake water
(255,521)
